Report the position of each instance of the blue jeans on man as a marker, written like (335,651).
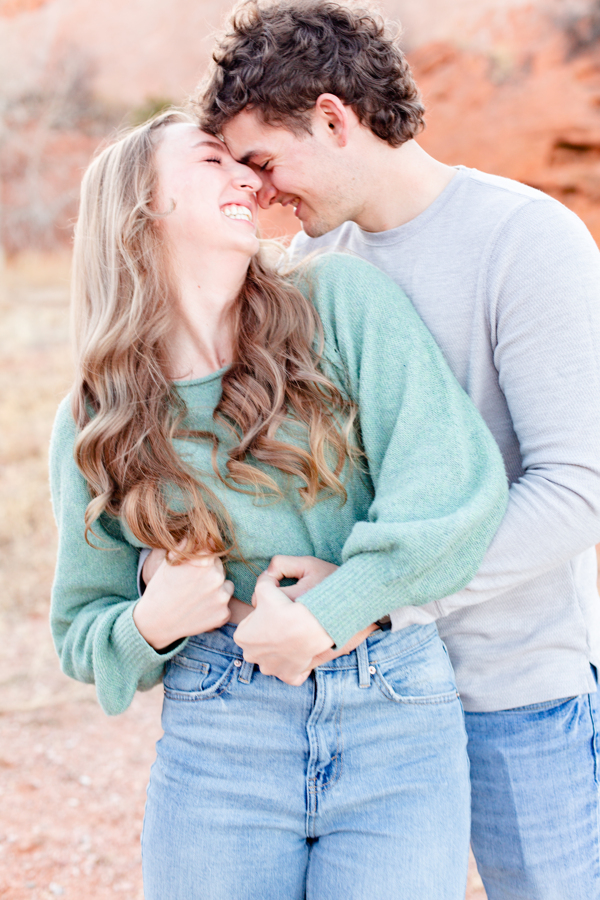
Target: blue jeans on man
(535,799)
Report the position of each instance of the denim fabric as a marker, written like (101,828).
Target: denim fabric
(535,800)
(352,785)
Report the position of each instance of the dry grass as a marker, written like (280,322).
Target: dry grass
(35,372)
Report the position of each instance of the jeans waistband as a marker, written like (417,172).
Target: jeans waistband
(380,645)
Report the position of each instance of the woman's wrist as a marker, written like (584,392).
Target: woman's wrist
(155,635)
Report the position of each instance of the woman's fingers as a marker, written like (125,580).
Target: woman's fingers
(151,565)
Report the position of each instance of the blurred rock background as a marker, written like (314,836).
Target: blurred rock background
(511,87)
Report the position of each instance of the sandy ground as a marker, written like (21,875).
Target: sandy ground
(72,781)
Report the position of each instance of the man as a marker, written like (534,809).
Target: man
(319,99)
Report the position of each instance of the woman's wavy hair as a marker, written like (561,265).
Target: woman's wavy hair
(279,57)
(126,408)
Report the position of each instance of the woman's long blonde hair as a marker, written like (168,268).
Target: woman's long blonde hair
(124,403)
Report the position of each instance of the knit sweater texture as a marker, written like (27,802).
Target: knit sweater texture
(418,518)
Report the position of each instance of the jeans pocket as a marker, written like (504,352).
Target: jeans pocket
(422,675)
(198,673)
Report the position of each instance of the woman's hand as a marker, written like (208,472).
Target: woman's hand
(151,564)
(182,600)
(352,644)
(281,636)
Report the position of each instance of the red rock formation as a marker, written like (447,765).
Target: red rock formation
(14,7)
(528,108)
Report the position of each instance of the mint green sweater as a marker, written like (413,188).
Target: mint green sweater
(414,528)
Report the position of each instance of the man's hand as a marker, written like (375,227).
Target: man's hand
(309,571)
(281,636)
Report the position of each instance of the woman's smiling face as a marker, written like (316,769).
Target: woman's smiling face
(209,198)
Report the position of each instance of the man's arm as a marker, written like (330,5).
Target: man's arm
(543,287)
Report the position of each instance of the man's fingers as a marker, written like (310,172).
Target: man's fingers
(287,567)
(267,588)
(151,565)
(295,679)
(205,560)
(292,592)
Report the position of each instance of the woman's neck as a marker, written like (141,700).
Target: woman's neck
(202,336)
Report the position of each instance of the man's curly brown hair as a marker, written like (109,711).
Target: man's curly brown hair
(279,57)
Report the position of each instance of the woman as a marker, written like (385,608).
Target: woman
(214,416)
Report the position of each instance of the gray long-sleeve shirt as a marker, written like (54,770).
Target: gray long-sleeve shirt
(508,282)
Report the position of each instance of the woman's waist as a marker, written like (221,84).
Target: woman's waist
(383,643)
(238,611)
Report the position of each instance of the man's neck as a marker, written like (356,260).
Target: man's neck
(407,182)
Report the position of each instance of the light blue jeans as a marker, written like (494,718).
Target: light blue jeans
(353,785)
(535,806)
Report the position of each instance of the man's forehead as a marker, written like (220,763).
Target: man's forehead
(250,138)
(247,133)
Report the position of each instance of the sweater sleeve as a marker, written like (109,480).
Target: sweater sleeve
(439,482)
(543,291)
(95,589)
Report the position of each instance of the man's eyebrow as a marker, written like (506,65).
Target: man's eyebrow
(248,157)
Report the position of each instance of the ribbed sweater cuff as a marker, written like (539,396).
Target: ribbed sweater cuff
(130,645)
(347,602)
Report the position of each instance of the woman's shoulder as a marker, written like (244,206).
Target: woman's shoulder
(64,428)
(62,439)
(352,294)
(332,269)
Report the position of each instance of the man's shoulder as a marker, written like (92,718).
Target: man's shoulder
(479,209)
(509,190)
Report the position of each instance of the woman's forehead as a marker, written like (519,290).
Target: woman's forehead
(188,136)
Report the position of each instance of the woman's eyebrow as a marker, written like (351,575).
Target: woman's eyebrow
(217,145)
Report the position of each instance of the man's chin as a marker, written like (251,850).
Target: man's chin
(317,229)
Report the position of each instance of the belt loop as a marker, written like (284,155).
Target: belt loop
(362,656)
(246,672)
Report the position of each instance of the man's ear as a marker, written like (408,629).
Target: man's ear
(335,116)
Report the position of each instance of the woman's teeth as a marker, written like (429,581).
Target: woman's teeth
(233,211)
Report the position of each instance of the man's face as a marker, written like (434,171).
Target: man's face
(304,171)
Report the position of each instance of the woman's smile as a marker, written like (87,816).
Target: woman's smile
(236,211)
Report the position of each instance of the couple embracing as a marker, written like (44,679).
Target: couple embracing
(279,493)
